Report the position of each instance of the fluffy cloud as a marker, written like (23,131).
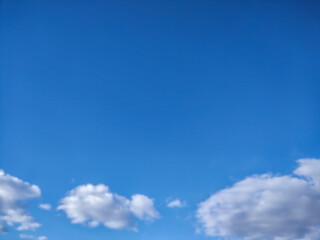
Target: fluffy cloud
(267,207)
(175,204)
(142,207)
(96,204)
(44,206)
(13,192)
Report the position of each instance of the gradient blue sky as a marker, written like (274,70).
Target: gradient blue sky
(172,99)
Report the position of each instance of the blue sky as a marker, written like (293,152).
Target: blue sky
(170,99)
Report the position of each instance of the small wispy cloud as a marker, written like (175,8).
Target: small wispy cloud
(42,238)
(25,236)
(45,206)
(176,203)
(2,229)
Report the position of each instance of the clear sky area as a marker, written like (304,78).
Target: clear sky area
(160,120)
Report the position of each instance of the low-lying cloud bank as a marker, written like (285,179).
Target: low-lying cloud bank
(13,192)
(96,204)
(267,207)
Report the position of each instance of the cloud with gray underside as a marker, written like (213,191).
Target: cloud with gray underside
(13,194)
(95,205)
(266,207)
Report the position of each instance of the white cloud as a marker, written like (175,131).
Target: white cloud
(310,168)
(2,229)
(267,207)
(42,238)
(142,207)
(45,206)
(13,192)
(24,236)
(96,204)
(175,204)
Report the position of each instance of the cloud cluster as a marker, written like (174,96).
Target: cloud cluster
(13,192)
(267,207)
(96,204)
